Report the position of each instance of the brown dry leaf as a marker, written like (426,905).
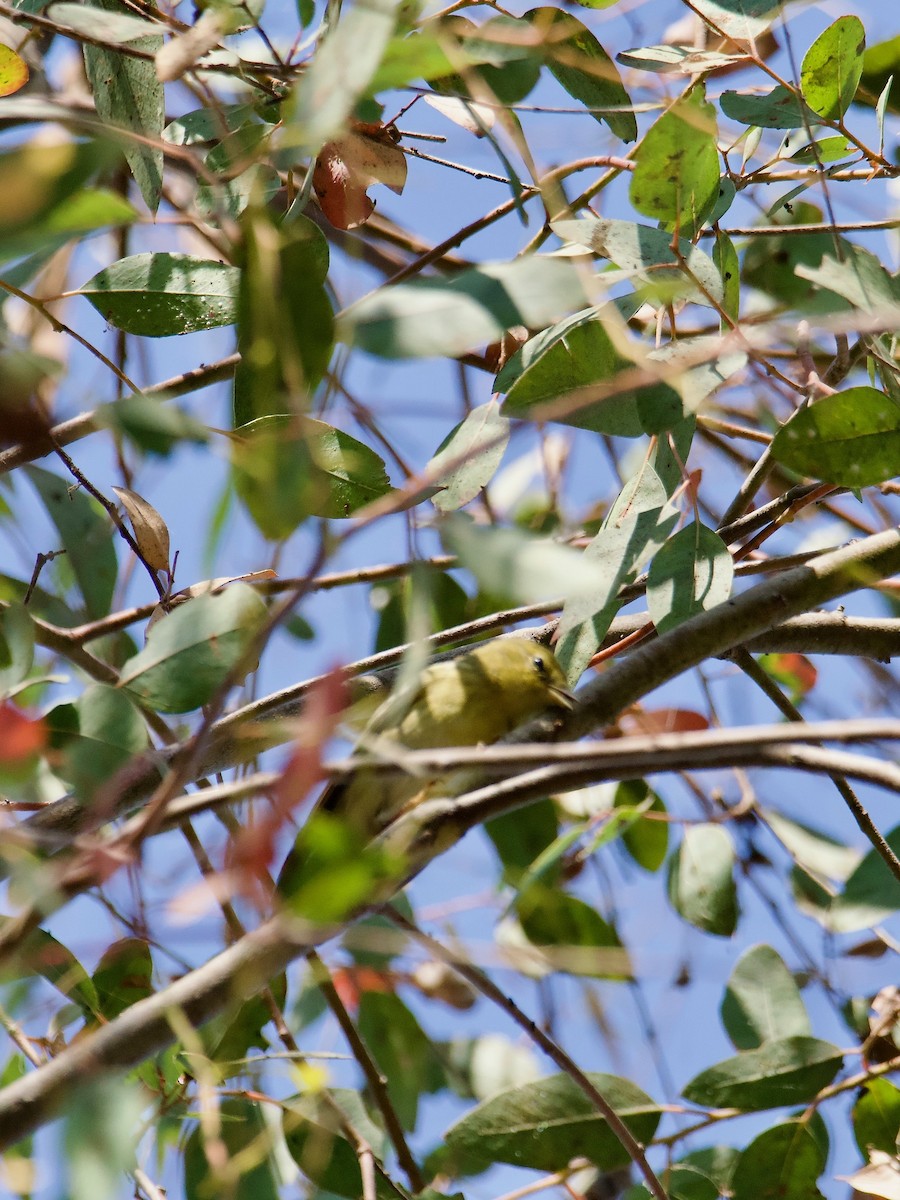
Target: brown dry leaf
(150,530)
(349,165)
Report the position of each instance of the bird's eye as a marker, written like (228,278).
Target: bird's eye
(539,665)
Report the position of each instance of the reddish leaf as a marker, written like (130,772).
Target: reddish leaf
(346,167)
(252,851)
(20,737)
(351,982)
(795,671)
(664,720)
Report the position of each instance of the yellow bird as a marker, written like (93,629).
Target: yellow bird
(471,700)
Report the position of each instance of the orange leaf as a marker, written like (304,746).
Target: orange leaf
(252,851)
(20,737)
(664,720)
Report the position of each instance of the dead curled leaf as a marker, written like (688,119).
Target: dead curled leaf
(150,530)
(349,165)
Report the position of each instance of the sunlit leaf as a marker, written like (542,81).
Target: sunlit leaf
(13,71)
(129,96)
(783,1071)
(551,1121)
(832,67)
(161,294)
(450,316)
(192,652)
(851,438)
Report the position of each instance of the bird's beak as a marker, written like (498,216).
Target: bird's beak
(563,697)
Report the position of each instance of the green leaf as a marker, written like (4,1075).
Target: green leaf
(691,573)
(194,649)
(89,210)
(316,1141)
(573,354)
(110,732)
(208,124)
(570,934)
(580,64)
(245,1133)
(286,469)
(812,849)
(102,1128)
(701,880)
(703,1174)
(16,646)
(725,257)
(876,1117)
(41,954)
(645,256)
(229,1037)
(773,264)
(778,109)
(851,439)
(447,317)
(521,837)
(639,521)
(551,1121)
(783,1163)
(404,1053)
(285,322)
(676,180)
(160,295)
(85,529)
(339,74)
(123,976)
(645,839)
(154,427)
(510,564)
(786,1071)
(129,96)
(881,69)
(762,1002)
(858,276)
(468,457)
(870,895)
(833,66)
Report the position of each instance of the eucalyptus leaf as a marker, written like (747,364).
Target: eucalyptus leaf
(850,438)
(832,67)
(691,573)
(468,457)
(161,294)
(762,1001)
(86,532)
(701,880)
(129,96)
(194,649)
(676,180)
(645,255)
(785,1071)
(451,316)
(550,1121)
